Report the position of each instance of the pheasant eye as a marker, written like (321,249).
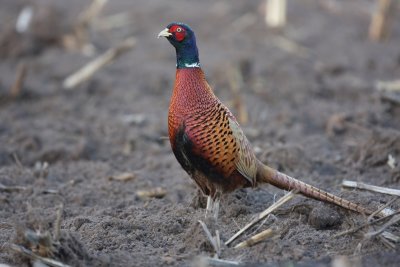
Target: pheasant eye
(179,33)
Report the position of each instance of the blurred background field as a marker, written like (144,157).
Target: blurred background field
(318,97)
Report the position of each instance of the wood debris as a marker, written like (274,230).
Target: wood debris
(87,71)
(388,85)
(364,225)
(342,261)
(90,14)
(391,97)
(391,161)
(157,192)
(20,76)
(24,19)
(374,188)
(40,246)
(389,91)
(384,211)
(275,15)
(41,243)
(257,238)
(12,188)
(126,176)
(395,219)
(30,254)
(380,20)
(78,38)
(263,214)
(220,262)
(390,236)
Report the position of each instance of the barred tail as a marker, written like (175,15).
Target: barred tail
(268,175)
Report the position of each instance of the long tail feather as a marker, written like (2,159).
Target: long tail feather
(268,175)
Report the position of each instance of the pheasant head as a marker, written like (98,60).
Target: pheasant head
(182,37)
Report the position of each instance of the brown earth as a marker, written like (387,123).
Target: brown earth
(313,112)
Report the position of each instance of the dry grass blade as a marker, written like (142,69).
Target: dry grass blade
(220,262)
(263,214)
(390,236)
(218,240)
(16,89)
(12,188)
(370,220)
(41,243)
(256,238)
(386,242)
(87,71)
(32,255)
(355,229)
(17,161)
(157,192)
(215,241)
(57,223)
(379,189)
(41,169)
(392,221)
(384,211)
(391,97)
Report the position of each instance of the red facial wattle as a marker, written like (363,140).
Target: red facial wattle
(178,32)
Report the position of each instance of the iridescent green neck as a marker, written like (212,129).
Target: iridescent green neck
(187,56)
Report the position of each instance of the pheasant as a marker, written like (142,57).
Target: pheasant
(207,140)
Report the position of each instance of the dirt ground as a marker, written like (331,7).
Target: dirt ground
(313,112)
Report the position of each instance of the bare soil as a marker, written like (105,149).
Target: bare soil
(313,113)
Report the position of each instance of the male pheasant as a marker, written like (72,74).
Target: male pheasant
(207,140)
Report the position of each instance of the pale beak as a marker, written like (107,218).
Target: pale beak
(164,33)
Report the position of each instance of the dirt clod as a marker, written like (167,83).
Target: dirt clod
(324,217)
